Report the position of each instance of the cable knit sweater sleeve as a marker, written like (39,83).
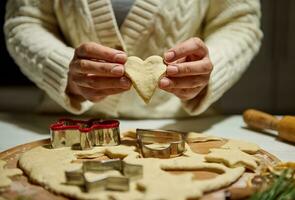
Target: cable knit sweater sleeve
(33,40)
(233,36)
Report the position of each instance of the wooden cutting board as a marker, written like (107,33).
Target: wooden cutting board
(22,188)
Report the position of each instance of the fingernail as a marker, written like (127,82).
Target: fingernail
(172,70)
(117,70)
(169,55)
(164,82)
(125,82)
(119,51)
(120,58)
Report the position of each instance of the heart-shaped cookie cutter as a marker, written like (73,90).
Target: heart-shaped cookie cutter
(102,181)
(160,143)
(82,134)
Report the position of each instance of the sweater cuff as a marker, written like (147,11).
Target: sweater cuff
(216,87)
(55,70)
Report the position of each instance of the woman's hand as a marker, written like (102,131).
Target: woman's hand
(97,71)
(188,69)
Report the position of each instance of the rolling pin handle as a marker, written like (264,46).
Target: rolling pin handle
(260,120)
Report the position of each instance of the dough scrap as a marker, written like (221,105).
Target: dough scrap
(6,173)
(145,75)
(89,155)
(232,158)
(201,137)
(47,166)
(245,146)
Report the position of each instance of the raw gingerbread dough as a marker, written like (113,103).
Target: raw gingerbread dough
(145,75)
(47,166)
(158,146)
(247,147)
(6,173)
(89,155)
(189,137)
(131,133)
(159,184)
(200,137)
(232,158)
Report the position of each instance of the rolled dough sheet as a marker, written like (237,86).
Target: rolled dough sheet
(47,166)
(6,173)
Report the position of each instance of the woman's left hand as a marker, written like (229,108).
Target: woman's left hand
(188,71)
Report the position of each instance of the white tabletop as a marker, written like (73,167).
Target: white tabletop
(16,128)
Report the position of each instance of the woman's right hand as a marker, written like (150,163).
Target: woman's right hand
(96,72)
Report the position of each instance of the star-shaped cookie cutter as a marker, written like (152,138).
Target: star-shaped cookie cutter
(103,181)
(84,134)
(160,143)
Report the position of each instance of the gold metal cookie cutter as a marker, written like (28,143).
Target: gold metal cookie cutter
(160,143)
(103,181)
(82,134)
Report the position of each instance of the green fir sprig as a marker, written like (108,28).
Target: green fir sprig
(281,188)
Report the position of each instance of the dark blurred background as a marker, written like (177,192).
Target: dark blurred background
(269,83)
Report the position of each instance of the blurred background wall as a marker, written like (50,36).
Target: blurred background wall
(269,83)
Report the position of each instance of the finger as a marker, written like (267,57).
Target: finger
(191,46)
(97,95)
(199,67)
(92,50)
(97,68)
(183,82)
(180,60)
(186,93)
(99,83)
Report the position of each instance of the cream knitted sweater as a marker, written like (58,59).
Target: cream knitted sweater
(41,37)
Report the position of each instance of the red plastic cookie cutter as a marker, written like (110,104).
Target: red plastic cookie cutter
(83,134)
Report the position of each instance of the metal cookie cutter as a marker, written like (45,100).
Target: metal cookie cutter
(84,134)
(160,143)
(102,181)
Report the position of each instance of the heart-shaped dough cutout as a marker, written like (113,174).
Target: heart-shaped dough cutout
(145,75)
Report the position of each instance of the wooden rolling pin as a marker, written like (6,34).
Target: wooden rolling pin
(261,121)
